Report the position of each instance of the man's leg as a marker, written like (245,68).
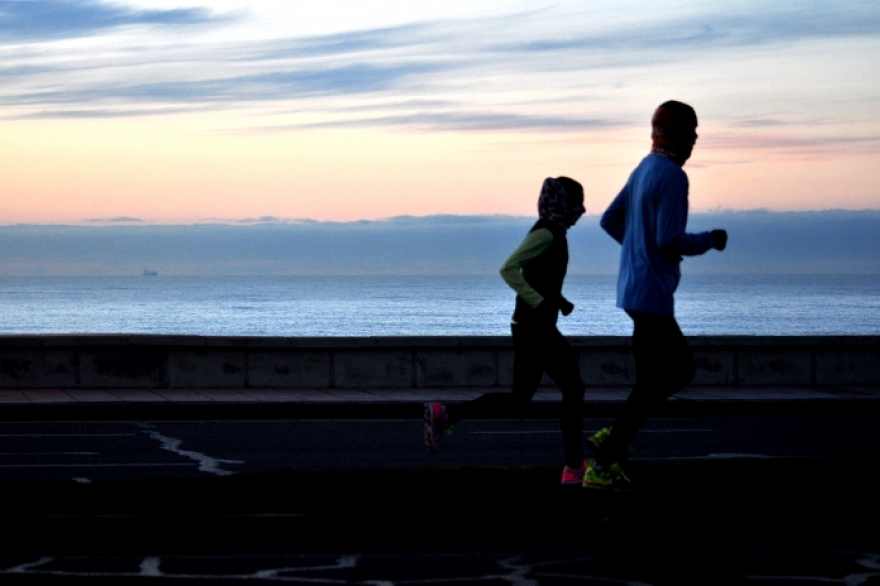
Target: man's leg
(664,366)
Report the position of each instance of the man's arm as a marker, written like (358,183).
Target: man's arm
(536,242)
(672,211)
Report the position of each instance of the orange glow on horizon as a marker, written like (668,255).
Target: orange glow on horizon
(182,169)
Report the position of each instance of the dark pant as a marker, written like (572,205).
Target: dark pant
(537,349)
(664,366)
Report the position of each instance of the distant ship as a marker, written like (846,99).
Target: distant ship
(149,273)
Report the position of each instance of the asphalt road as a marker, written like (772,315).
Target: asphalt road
(764,500)
(82,452)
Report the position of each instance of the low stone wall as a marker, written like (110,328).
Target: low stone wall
(146,361)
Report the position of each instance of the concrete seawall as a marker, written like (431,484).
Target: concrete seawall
(193,362)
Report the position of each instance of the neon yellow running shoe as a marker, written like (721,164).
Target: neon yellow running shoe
(612,478)
(599,438)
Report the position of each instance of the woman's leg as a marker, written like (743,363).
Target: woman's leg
(527,373)
(561,364)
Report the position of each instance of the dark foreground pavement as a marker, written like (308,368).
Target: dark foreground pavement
(734,520)
(774,521)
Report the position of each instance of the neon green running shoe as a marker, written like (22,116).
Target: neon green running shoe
(599,438)
(612,478)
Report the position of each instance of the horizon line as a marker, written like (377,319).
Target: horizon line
(282,221)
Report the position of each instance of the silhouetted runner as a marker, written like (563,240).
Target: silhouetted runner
(535,270)
(648,218)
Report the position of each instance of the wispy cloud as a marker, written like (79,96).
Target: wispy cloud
(721,26)
(468,69)
(115,220)
(791,143)
(346,43)
(60,19)
(458,120)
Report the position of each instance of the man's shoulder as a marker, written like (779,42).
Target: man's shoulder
(660,164)
(661,173)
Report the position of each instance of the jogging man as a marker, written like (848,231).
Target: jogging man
(648,218)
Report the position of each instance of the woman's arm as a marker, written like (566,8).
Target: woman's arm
(536,242)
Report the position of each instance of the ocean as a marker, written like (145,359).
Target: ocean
(421,306)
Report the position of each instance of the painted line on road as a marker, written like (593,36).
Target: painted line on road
(67,434)
(530,432)
(120,465)
(716,456)
(725,456)
(151,567)
(48,453)
(533,432)
(206,463)
(676,430)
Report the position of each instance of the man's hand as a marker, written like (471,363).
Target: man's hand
(719,239)
(565,306)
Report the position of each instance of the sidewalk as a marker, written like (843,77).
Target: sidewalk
(245,403)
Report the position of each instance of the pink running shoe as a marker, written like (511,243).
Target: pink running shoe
(436,424)
(574,475)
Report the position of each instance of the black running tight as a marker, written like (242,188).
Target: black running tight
(537,349)
(664,366)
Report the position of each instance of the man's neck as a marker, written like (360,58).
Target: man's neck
(668,154)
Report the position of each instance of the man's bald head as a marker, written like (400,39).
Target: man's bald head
(674,114)
(674,130)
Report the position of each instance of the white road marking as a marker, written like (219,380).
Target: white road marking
(206,463)
(715,456)
(543,431)
(677,430)
(150,567)
(25,567)
(121,465)
(518,575)
(344,562)
(67,434)
(81,480)
(533,432)
(48,453)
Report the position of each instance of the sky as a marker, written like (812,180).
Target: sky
(163,112)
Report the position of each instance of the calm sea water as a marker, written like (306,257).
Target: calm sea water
(410,306)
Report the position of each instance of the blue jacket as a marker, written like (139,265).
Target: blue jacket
(648,218)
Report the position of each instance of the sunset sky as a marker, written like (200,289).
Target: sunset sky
(173,113)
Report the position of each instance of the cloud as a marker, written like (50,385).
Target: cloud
(115,220)
(791,144)
(109,112)
(725,27)
(461,120)
(344,43)
(59,19)
(462,66)
(761,242)
(357,78)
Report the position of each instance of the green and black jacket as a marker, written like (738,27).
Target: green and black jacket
(536,270)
